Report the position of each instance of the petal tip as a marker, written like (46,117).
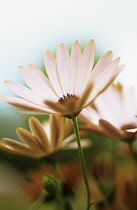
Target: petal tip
(21,67)
(7,82)
(31,119)
(91,41)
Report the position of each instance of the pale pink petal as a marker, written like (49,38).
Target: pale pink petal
(85,67)
(23,104)
(38,82)
(114,113)
(89,115)
(102,64)
(105,79)
(25,92)
(51,68)
(74,65)
(63,65)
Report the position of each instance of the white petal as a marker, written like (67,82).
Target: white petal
(105,79)
(85,67)
(102,64)
(74,65)
(63,65)
(25,92)
(23,104)
(37,81)
(51,68)
(109,129)
(134,130)
(69,139)
(90,115)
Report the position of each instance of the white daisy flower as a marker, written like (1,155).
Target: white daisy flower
(72,82)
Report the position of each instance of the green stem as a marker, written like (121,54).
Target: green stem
(38,204)
(59,196)
(82,161)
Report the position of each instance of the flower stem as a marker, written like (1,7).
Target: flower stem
(38,203)
(59,196)
(82,161)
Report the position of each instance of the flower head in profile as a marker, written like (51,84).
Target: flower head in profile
(42,139)
(72,82)
(113,113)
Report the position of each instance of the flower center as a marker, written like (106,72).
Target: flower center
(70,104)
(71,97)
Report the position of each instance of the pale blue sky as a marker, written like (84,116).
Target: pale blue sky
(29,27)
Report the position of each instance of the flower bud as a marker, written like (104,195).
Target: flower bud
(50,184)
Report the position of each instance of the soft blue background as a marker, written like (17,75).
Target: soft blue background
(29,27)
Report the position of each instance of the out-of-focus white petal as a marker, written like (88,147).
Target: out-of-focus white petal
(63,65)
(109,129)
(85,143)
(104,80)
(134,130)
(113,113)
(69,139)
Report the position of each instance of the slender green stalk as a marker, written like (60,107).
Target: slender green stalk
(82,161)
(38,204)
(59,196)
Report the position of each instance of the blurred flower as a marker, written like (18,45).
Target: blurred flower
(33,185)
(43,139)
(125,196)
(113,113)
(103,169)
(70,85)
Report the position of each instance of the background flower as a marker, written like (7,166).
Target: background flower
(41,141)
(113,113)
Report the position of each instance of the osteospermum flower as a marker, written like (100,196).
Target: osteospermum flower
(72,82)
(42,139)
(113,113)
